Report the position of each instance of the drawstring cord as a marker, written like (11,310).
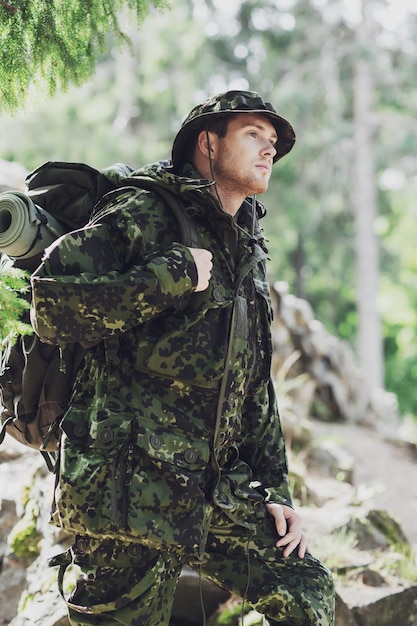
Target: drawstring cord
(252,234)
(211,170)
(248,581)
(200,588)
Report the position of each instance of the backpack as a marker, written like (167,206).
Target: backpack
(36,383)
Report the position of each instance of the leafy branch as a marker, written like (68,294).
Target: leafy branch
(14,284)
(56,43)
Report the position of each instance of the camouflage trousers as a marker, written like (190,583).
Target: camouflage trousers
(134,585)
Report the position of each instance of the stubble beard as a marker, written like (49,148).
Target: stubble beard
(229,176)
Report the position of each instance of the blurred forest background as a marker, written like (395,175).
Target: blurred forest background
(342,210)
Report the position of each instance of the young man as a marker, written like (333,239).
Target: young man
(172,450)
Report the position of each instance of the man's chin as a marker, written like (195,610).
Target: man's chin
(260,188)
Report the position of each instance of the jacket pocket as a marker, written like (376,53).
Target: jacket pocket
(189,347)
(122,477)
(262,292)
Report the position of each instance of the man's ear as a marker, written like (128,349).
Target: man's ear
(206,142)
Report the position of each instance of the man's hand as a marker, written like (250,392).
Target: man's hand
(202,259)
(288,525)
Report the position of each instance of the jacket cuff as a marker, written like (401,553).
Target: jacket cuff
(176,272)
(279,496)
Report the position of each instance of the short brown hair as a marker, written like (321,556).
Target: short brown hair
(217,125)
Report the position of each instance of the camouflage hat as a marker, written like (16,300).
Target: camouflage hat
(227,103)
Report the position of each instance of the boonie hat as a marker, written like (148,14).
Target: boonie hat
(228,103)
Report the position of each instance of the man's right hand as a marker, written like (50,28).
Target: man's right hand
(202,259)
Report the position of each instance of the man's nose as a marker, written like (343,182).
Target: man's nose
(269,149)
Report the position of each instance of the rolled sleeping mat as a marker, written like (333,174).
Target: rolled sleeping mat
(25,228)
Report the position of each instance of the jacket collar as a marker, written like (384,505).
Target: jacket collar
(197,191)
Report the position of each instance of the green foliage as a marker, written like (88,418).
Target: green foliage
(398,299)
(401,365)
(13,283)
(402,563)
(24,538)
(236,613)
(340,553)
(57,43)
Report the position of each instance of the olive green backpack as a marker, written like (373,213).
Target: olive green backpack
(37,379)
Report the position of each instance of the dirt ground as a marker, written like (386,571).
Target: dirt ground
(385,471)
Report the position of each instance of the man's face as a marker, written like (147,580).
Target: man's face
(242,160)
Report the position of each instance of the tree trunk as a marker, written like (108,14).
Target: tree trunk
(365,207)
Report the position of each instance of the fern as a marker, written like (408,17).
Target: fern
(14,284)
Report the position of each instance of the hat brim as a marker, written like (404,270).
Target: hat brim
(284,130)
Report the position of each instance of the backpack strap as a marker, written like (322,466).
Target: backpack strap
(188,229)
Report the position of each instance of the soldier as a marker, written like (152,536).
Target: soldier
(172,450)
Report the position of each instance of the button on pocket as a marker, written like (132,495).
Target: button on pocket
(156,442)
(105,435)
(134,550)
(217,295)
(190,455)
(81,546)
(80,430)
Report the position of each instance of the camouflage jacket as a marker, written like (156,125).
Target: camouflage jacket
(174,413)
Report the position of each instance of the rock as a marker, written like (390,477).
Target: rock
(329,458)
(12,571)
(8,518)
(384,413)
(377,529)
(297,431)
(396,608)
(300,488)
(372,578)
(343,614)
(40,603)
(12,583)
(340,392)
